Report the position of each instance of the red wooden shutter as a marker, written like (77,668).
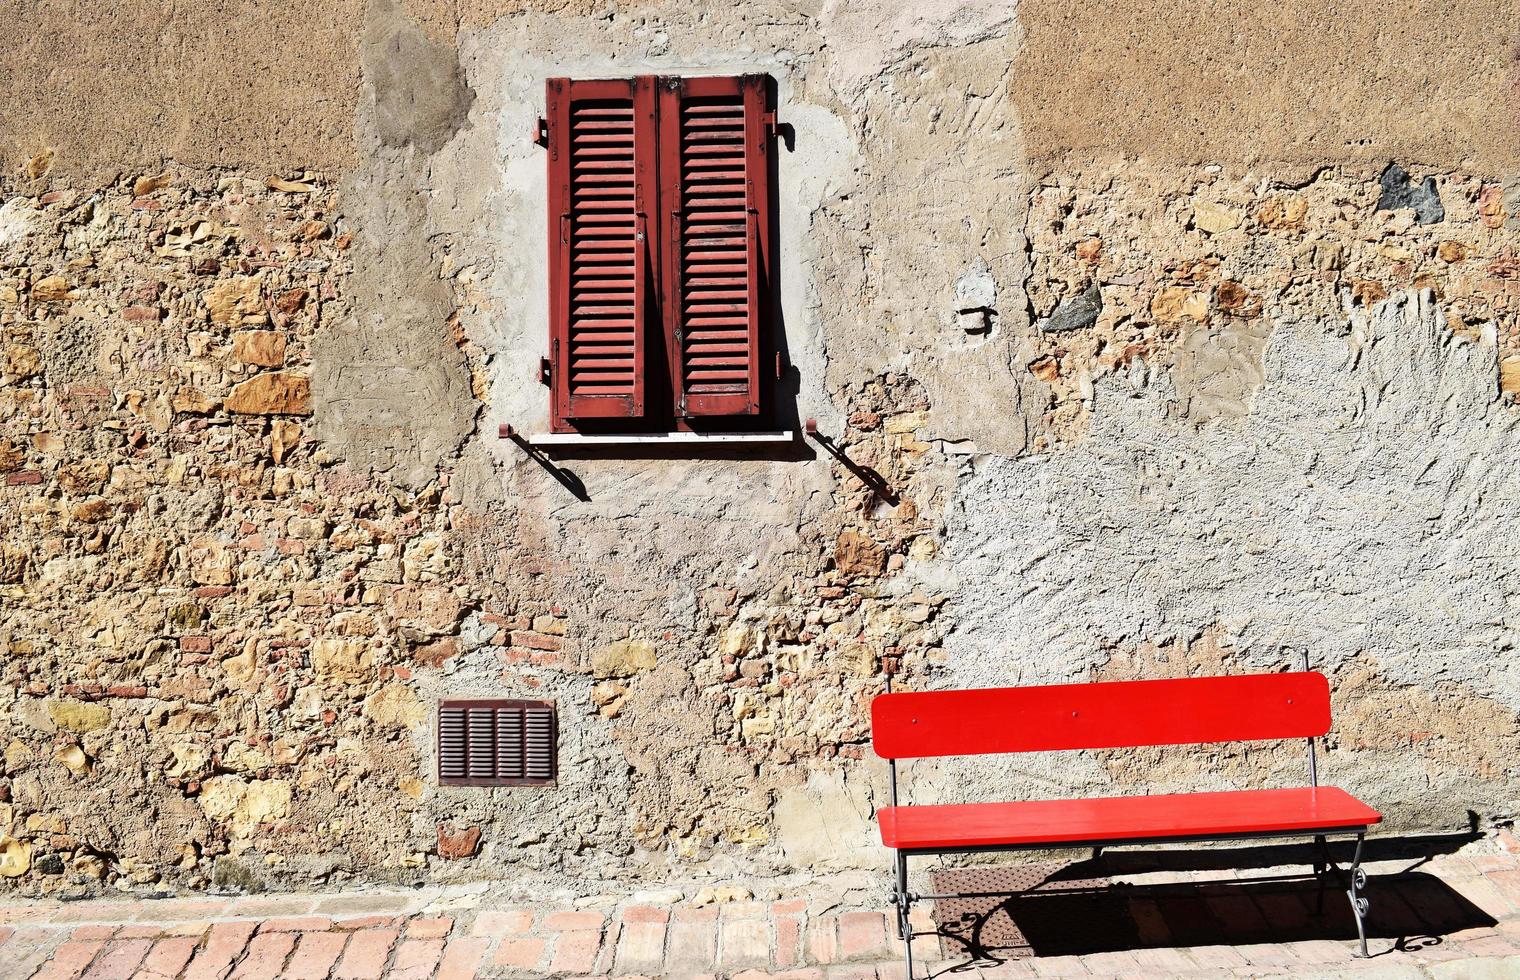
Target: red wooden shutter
(715,204)
(601,184)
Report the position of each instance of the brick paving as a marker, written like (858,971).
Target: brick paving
(1451,917)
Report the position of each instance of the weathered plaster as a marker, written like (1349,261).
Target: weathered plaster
(1296,84)
(263,84)
(1127,416)
(1354,512)
(392,387)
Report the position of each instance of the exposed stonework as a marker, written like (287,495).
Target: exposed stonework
(1103,417)
(1196,268)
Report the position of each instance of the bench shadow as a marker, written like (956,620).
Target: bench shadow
(1079,908)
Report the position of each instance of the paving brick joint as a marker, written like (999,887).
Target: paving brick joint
(1450,917)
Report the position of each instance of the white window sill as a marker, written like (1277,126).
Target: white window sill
(645,440)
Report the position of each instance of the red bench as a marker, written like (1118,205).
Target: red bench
(1113,715)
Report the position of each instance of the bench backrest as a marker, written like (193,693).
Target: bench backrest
(1109,714)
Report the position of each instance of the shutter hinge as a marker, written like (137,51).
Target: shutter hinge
(769,118)
(543,370)
(541,131)
(780,365)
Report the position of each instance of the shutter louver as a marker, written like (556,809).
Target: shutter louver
(601,170)
(715,201)
(496,743)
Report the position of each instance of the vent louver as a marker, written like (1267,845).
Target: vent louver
(496,743)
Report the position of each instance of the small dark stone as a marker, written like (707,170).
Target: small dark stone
(230,874)
(48,864)
(1400,192)
(1076,313)
(186,617)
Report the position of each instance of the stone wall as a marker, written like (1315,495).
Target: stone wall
(1246,392)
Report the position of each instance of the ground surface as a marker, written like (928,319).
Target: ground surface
(1152,914)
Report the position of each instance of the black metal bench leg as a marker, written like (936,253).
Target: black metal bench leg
(903,902)
(1354,892)
(1322,865)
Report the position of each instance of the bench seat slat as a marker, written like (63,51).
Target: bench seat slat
(1122,818)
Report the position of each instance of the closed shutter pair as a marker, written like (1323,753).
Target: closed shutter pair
(659,220)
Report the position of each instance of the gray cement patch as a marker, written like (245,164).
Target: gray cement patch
(1363,506)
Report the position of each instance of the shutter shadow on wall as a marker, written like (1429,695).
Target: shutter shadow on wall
(660,218)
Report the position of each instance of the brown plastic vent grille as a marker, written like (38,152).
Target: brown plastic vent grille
(496,743)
